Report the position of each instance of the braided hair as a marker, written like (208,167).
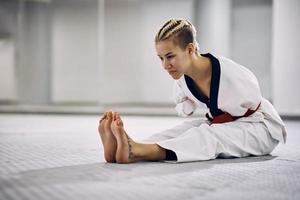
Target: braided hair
(180,30)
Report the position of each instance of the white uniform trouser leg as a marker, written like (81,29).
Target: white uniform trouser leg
(196,140)
(174,132)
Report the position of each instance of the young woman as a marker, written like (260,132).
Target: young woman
(239,121)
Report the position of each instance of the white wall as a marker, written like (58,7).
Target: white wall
(7,70)
(74,52)
(24,51)
(33,53)
(122,52)
(251,39)
(102,51)
(8,88)
(213,24)
(285,55)
(132,72)
(157,85)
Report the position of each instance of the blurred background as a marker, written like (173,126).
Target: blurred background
(86,56)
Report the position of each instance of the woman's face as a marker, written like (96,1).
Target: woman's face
(174,60)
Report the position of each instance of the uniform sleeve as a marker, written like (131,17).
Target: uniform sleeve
(239,90)
(184,106)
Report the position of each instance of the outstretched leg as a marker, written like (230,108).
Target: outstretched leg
(129,151)
(108,139)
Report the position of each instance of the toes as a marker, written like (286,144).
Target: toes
(119,120)
(114,116)
(116,120)
(109,116)
(103,117)
(102,123)
(113,123)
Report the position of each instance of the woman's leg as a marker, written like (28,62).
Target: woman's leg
(174,132)
(233,139)
(128,150)
(140,151)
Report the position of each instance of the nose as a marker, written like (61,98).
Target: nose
(166,64)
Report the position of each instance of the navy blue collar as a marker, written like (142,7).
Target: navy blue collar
(211,101)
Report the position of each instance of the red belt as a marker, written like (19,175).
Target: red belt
(226,117)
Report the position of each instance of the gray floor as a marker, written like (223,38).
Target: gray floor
(60,157)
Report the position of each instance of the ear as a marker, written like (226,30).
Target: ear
(191,48)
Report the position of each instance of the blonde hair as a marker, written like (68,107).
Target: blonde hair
(180,30)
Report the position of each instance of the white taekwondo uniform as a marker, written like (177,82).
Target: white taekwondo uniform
(240,122)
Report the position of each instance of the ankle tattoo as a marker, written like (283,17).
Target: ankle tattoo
(130,155)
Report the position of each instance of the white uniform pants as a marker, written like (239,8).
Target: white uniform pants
(196,140)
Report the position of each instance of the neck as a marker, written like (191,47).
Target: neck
(200,69)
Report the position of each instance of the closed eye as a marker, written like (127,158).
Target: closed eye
(170,56)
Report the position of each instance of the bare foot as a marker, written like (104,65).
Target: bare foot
(108,139)
(129,151)
(127,148)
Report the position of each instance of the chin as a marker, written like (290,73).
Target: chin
(176,76)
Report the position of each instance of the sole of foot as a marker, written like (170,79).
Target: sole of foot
(125,144)
(108,139)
